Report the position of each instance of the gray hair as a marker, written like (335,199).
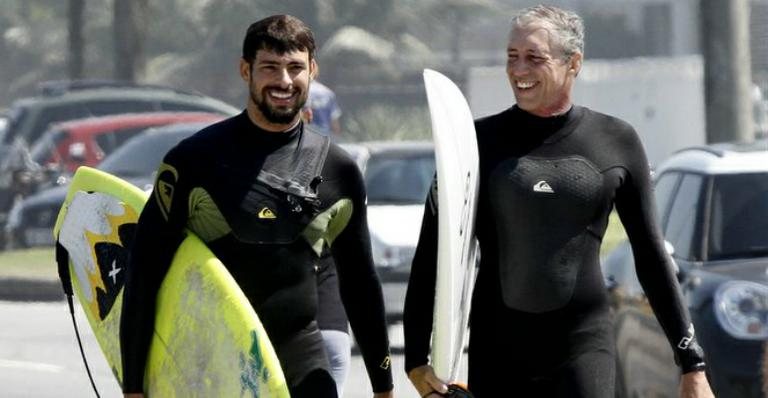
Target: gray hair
(566,27)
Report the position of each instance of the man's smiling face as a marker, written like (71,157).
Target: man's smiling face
(278,86)
(541,77)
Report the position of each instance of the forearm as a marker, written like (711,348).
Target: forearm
(420,296)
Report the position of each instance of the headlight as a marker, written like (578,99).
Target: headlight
(742,309)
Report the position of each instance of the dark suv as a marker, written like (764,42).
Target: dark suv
(61,101)
(713,209)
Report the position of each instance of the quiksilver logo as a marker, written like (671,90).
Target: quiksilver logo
(267,213)
(542,186)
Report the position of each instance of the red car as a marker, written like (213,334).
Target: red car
(85,142)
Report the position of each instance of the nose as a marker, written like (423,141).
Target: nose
(517,67)
(284,78)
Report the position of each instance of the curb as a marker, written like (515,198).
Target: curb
(21,289)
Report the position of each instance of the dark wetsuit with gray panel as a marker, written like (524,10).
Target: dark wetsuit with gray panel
(540,322)
(267,204)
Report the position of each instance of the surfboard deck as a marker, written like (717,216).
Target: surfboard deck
(456,156)
(207,340)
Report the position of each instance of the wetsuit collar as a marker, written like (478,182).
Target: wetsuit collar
(550,128)
(252,133)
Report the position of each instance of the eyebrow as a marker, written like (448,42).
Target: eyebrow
(276,62)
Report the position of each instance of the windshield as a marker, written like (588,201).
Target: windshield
(399,178)
(739,216)
(141,155)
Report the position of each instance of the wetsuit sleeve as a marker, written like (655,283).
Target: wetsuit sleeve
(420,296)
(636,207)
(160,230)
(359,284)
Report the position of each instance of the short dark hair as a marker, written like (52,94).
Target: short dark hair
(279,33)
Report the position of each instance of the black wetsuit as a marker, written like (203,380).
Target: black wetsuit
(233,185)
(540,322)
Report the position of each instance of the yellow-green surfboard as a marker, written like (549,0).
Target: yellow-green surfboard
(208,340)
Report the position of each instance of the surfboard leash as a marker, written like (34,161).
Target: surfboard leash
(62,261)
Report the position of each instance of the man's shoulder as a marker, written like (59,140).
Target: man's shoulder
(492,122)
(609,122)
(204,141)
(339,157)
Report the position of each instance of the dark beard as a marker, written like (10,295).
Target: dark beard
(278,116)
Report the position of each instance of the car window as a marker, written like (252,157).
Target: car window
(183,107)
(15,119)
(739,216)
(112,140)
(111,107)
(399,179)
(683,217)
(142,155)
(52,114)
(665,186)
(44,149)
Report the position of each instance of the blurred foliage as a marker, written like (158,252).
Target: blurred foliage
(384,122)
(195,44)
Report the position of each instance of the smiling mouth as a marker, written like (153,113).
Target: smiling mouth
(281,95)
(525,85)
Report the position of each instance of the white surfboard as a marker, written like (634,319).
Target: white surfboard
(453,131)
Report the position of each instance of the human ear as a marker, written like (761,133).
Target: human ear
(575,63)
(245,70)
(314,69)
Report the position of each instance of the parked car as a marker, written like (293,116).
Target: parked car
(69,100)
(31,221)
(713,210)
(85,142)
(397,178)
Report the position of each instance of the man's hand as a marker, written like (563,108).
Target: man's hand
(387,394)
(426,382)
(695,385)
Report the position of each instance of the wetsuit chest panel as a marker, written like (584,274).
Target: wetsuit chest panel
(257,213)
(543,208)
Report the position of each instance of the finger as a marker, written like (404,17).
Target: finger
(437,384)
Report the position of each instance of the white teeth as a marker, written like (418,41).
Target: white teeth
(525,85)
(280,94)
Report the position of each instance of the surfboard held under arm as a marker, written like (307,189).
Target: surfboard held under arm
(457,161)
(207,341)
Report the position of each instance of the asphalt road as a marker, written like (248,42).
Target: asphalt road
(39,357)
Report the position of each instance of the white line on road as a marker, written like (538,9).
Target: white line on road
(36,366)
